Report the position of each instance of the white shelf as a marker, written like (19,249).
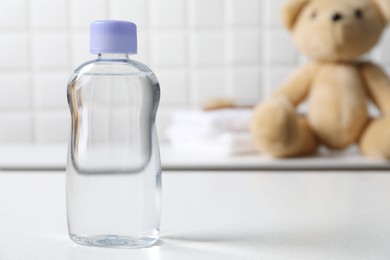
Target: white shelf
(53,157)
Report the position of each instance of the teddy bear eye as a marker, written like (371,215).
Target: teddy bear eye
(358,13)
(313,15)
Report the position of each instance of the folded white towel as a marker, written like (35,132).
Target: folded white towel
(222,132)
(183,131)
(223,144)
(218,120)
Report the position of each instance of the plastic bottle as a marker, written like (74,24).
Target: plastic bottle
(113,169)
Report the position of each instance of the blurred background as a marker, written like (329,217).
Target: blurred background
(199,49)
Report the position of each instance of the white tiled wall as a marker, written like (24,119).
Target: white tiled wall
(199,49)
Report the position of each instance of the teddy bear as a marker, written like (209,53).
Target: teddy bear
(337,83)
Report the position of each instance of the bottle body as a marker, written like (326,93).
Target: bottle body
(113,169)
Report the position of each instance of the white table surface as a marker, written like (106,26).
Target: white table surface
(216,215)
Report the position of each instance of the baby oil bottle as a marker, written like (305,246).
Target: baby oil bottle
(113,168)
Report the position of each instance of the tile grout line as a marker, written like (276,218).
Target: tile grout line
(187,53)
(261,27)
(70,54)
(147,32)
(193,94)
(107,9)
(265,71)
(31,73)
(228,66)
(69,33)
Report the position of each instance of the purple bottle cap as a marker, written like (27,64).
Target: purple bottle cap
(109,36)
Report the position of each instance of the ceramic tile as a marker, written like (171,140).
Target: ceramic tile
(207,13)
(50,50)
(168,13)
(245,47)
(272,12)
(82,13)
(52,127)
(279,48)
(245,12)
(15,91)
(134,11)
(274,78)
(169,49)
(208,84)
(13,14)
(14,51)
(43,15)
(382,53)
(79,45)
(174,87)
(16,127)
(144,43)
(247,85)
(50,90)
(208,48)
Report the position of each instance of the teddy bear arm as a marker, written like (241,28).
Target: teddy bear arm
(297,87)
(378,86)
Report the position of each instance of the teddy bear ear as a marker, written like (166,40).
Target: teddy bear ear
(291,11)
(384,9)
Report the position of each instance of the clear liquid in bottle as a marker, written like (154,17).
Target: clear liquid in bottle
(113,170)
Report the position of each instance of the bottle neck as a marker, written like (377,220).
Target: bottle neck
(113,56)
